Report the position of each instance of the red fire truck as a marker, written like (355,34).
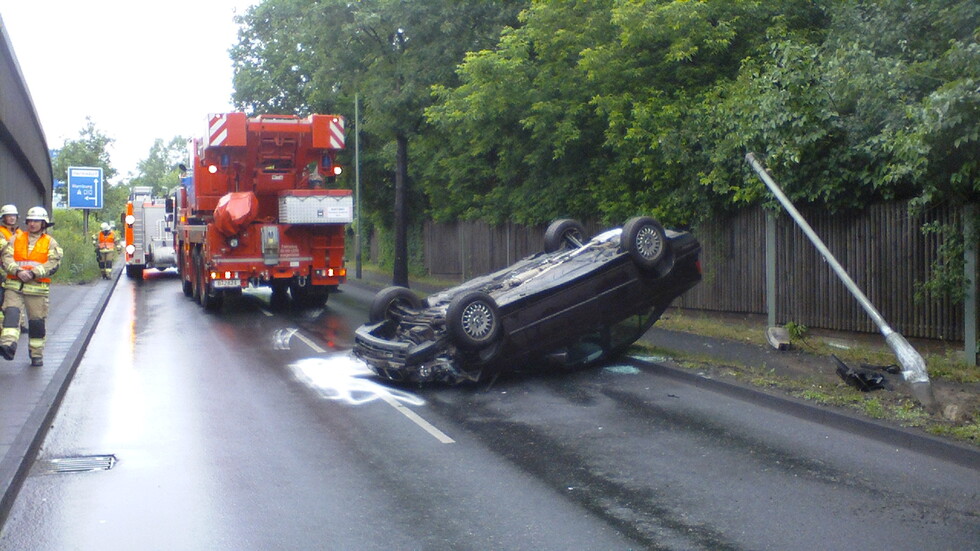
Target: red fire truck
(149,243)
(257,208)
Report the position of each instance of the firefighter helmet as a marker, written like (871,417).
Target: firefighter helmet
(105,226)
(38,213)
(8,209)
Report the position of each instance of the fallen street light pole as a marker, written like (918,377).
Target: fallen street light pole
(913,366)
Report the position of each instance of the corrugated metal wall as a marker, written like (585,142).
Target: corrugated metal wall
(25,166)
(882,249)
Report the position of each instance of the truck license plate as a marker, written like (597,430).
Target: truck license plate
(226,283)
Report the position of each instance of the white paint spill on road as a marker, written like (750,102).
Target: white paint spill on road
(341,378)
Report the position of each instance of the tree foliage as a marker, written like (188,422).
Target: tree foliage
(91,150)
(300,57)
(160,169)
(531,110)
(615,107)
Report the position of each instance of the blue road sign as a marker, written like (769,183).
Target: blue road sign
(84,187)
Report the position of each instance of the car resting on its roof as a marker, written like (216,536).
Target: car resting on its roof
(576,303)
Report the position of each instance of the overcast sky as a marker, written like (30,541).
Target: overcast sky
(140,69)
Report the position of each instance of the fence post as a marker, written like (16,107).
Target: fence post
(771,267)
(970,300)
(462,248)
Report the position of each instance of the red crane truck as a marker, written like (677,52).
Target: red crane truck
(255,209)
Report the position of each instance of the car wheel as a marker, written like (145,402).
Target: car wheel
(564,234)
(645,241)
(384,303)
(473,320)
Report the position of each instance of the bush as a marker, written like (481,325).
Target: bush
(79,264)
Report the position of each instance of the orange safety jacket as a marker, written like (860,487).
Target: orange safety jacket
(107,241)
(35,257)
(7,233)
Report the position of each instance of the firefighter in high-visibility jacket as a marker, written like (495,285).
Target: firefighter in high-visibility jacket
(29,260)
(105,249)
(8,222)
(8,228)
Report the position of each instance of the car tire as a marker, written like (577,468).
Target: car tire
(387,299)
(473,320)
(564,234)
(645,241)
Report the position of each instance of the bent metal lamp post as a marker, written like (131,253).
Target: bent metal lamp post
(913,366)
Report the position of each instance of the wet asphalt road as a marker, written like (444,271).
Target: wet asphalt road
(255,430)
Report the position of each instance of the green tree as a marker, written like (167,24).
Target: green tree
(883,106)
(90,149)
(595,108)
(305,57)
(521,141)
(160,169)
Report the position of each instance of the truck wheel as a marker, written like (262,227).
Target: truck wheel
(645,241)
(473,320)
(309,296)
(389,300)
(212,299)
(317,297)
(279,299)
(196,275)
(185,283)
(134,272)
(564,234)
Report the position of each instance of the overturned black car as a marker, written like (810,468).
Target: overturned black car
(576,303)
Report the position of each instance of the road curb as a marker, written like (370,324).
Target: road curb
(16,465)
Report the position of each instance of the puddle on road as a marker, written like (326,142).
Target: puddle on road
(621,369)
(342,378)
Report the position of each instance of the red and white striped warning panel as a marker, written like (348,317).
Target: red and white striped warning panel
(226,129)
(328,131)
(337,132)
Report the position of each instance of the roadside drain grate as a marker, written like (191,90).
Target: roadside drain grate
(80,464)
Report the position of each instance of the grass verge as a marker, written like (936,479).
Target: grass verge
(79,264)
(959,420)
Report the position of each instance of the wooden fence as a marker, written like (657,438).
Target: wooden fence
(882,249)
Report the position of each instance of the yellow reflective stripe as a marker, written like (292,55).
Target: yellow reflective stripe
(35,288)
